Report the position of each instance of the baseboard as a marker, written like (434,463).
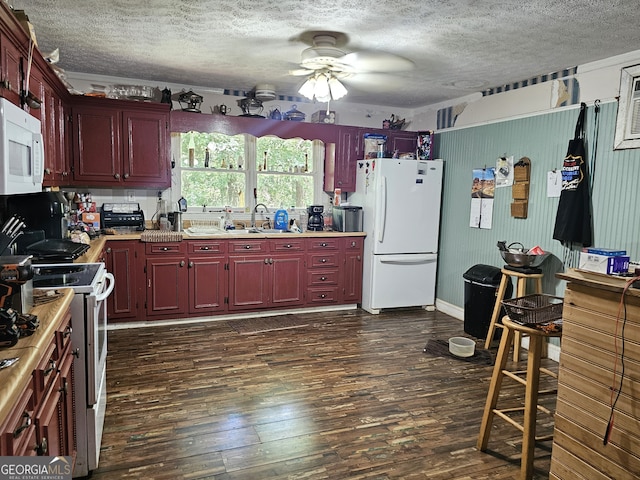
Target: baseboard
(233,316)
(450,309)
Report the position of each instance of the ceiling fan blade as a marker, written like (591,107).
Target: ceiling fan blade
(377,62)
(374,82)
(300,72)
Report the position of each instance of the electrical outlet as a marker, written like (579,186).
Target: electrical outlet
(131,196)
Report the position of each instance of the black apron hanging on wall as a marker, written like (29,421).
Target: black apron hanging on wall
(573,220)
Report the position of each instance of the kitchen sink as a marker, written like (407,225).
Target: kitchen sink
(238,231)
(203,230)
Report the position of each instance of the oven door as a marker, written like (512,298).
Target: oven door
(96,336)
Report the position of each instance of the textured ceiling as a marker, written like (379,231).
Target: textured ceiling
(458,46)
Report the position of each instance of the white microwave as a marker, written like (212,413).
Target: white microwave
(21,151)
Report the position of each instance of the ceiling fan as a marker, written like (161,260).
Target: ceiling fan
(326,55)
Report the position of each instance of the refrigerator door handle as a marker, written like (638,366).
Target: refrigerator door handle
(381,208)
(412,259)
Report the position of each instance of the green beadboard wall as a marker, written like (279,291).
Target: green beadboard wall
(542,138)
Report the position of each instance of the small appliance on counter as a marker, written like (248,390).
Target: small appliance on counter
(46,211)
(315,223)
(16,284)
(347,218)
(122,216)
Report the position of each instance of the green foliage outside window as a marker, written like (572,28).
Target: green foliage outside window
(221,178)
(287,180)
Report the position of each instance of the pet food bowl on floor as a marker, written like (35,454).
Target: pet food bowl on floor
(462,346)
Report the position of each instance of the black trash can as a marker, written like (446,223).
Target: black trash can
(481,284)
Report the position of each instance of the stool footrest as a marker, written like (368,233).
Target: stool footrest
(501,413)
(514,376)
(548,372)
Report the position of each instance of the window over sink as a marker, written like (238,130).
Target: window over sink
(218,170)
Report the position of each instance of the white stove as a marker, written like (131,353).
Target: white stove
(92,284)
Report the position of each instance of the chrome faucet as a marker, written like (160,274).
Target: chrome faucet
(253,213)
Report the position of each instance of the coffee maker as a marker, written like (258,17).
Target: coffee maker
(45,211)
(315,223)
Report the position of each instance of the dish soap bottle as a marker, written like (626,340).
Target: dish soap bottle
(281,220)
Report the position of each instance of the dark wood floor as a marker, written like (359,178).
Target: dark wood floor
(351,396)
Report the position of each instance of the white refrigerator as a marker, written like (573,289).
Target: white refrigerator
(400,199)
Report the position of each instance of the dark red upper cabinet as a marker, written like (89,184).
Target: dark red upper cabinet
(120,143)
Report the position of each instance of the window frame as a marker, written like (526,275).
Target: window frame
(251,173)
(623,138)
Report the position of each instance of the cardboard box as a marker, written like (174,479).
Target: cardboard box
(322,116)
(92,219)
(26,25)
(606,264)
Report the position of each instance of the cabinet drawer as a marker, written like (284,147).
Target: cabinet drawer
(63,337)
(323,277)
(329,259)
(18,430)
(207,246)
(164,247)
(287,245)
(353,243)
(322,244)
(322,295)
(46,370)
(248,246)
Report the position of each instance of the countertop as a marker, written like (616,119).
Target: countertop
(233,235)
(30,349)
(598,280)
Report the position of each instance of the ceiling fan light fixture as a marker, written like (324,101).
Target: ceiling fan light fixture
(322,90)
(307,89)
(338,90)
(323,87)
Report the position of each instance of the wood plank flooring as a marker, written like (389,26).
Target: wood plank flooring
(351,396)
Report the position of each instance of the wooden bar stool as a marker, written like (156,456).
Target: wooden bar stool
(521,291)
(531,382)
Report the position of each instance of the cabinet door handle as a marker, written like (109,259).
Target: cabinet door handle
(116,176)
(76,353)
(190,264)
(109,250)
(25,424)
(182,264)
(126,175)
(288,245)
(323,295)
(67,331)
(204,248)
(248,247)
(52,367)
(266,261)
(324,260)
(47,171)
(323,279)
(164,249)
(353,244)
(271,261)
(323,244)
(43,447)
(358,258)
